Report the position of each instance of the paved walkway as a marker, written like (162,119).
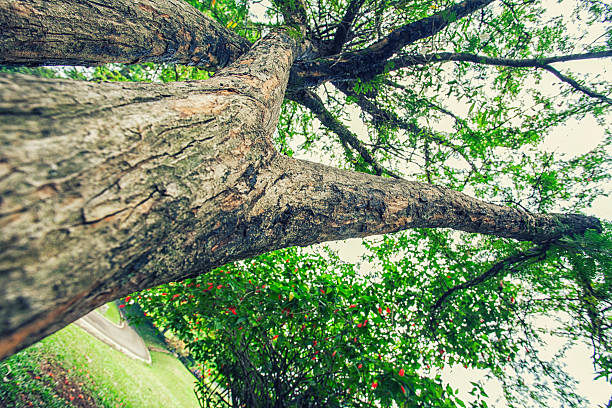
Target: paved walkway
(121,337)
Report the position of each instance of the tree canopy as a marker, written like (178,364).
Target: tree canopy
(455,96)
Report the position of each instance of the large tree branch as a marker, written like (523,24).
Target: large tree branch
(322,203)
(149,183)
(367,63)
(342,31)
(98,180)
(312,101)
(61,32)
(418,30)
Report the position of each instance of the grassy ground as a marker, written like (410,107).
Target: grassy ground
(112,313)
(144,327)
(72,368)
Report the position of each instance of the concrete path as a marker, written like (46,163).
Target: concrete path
(122,337)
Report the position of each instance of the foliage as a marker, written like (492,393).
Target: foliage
(298,329)
(473,106)
(306,329)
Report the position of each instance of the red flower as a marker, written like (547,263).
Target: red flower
(333,354)
(275,337)
(403,390)
(127,298)
(322,291)
(175,296)
(164,294)
(219,287)
(359,325)
(232,309)
(388,310)
(380,310)
(360,365)
(374,385)
(121,306)
(351,306)
(512,299)
(401,372)
(315,342)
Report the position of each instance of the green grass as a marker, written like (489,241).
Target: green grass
(144,327)
(112,313)
(19,381)
(111,377)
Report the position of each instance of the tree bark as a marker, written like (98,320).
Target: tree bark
(86,32)
(115,187)
(107,188)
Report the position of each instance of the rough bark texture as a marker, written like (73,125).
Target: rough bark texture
(107,188)
(110,188)
(85,32)
(371,61)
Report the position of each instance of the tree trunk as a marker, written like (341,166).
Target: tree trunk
(115,187)
(108,188)
(86,32)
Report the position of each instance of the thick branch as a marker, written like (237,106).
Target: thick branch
(342,31)
(86,32)
(321,203)
(109,188)
(367,63)
(420,29)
